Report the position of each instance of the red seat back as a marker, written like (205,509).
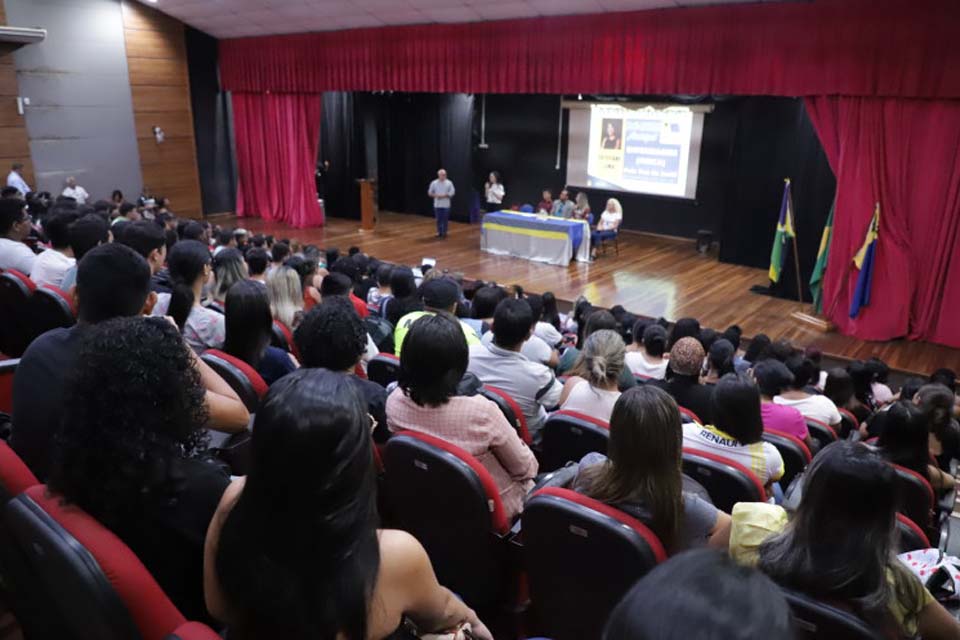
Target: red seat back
(383,368)
(7,370)
(912,536)
(582,556)
(283,339)
(823,433)
(689,416)
(89,581)
(241,377)
(568,436)
(795,453)
(15,477)
(444,497)
(50,308)
(510,410)
(727,481)
(16,329)
(917,499)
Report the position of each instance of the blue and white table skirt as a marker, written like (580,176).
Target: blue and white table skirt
(542,239)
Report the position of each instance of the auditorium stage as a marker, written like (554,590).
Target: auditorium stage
(653,276)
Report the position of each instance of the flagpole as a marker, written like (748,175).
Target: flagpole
(796,253)
(820,324)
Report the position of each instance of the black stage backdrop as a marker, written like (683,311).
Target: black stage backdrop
(342,144)
(212,125)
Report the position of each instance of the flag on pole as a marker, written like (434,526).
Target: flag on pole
(785,232)
(864,261)
(816,279)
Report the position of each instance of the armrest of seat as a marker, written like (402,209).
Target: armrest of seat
(193,631)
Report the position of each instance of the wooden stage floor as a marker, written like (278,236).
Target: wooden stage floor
(653,276)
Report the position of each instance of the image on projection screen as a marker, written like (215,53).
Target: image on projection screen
(646,150)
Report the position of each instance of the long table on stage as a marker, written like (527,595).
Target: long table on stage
(543,239)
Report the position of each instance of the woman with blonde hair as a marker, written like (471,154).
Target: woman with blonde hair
(286,297)
(608,226)
(592,388)
(581,211)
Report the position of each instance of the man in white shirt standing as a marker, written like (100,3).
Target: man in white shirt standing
(75,191)
(441,190)
(51,265)
(15,179)
(14,227)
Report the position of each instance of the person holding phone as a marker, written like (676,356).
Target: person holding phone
(441,190)
(494,192)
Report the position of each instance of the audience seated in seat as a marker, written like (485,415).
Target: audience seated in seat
(500,364)
(347,266)
(286,296)
(257,260)
(190,270)
(15,226)
(849,499)
(229,268)
(863,403)
(641,476)
(438,294)
(591,388)
(811,405)
(485,301)
(936,402)
(595,320)
(86,233)
(51,265)
(647,361)
(772,378)
(701,594)
(737,429)
(313,564)
(150,241)
(333,336)
(403,296)
(431,367)
(905,440)
(249,331)
(309,273)
(683,379)
(719,359)
(130,449)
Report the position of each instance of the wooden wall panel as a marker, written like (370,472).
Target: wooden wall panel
(14,145)
(157,61)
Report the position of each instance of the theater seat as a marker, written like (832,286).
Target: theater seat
(194,631)
(848,423)
(689,416)
(815,620)
(241,377)
(50,308)
(823,433)
(917,500)
(795,453)
(282,338)
(912,536)
(383,369)
(15,330)
(568,436)
(86,581)
(450,503)
(15,477)
(7,370)
(728,482)
(581,556)
(510,409)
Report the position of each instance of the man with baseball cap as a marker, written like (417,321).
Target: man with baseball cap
(439,294)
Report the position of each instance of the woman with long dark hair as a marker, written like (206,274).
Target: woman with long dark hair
(936,402)
(719,360)
(189,264)
(403,288)
(862,378)
(840,546)
(131,451)
(294,551)
(905,440)
(307,269)
(551,313)
(250,329)
(757,350)
(641,473)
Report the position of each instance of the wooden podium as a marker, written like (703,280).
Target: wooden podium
(368,205)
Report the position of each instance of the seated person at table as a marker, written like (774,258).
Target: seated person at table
(857,570)
(582,209)
(433,362)
(294,550)
(592,387)
(640,474)
(500,364)
(131,452)
(738,430)
(249,329)
(546,203)
(563,207)
(609,224)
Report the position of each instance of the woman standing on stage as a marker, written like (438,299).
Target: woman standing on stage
(494,192)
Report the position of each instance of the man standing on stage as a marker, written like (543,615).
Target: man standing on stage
(441,190)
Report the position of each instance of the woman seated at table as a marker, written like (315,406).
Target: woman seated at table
(546,202)
(581,210)
(608,225)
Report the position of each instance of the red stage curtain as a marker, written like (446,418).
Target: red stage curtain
(277,138)
(906,155)
(827,47)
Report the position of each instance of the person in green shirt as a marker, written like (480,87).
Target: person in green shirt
(439,294)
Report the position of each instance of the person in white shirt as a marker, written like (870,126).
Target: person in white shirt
(500,364)
(494,192)
(75,191)
(15,179)
(592,387)
(51,265)
(608,226)
(441,190)
(534,349)
(14,228)
(648,361)
(810,405)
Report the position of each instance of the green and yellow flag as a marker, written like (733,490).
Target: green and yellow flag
(819,269)
(785,232)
